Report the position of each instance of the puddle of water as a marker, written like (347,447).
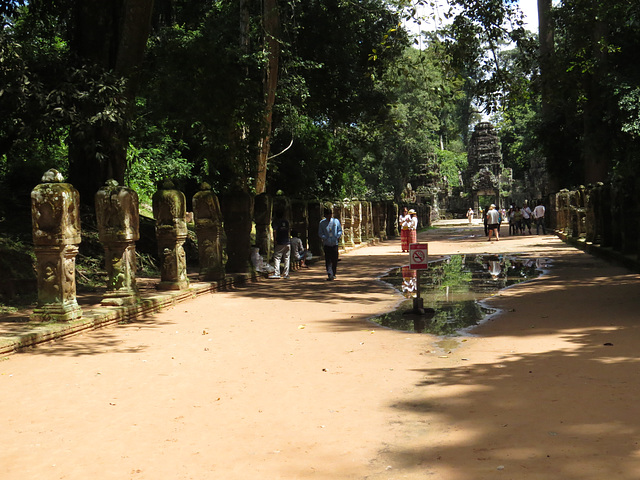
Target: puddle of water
(451,289)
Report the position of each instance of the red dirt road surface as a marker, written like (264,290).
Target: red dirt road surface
(287,379)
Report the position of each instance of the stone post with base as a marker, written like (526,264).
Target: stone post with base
(262,213)
(356,222)
(208,220)
(169,210)
(347,223)
(118,229)
(56,236)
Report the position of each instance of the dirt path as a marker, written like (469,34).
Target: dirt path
(288,380)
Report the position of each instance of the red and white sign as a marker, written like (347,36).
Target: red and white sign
(418,255)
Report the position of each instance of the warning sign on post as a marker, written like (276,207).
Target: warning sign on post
(418,255)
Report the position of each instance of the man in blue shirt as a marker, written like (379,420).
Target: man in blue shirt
(330,232)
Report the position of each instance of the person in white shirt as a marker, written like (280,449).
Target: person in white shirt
(538,215)
(493,222)
(526,217)
(298,251)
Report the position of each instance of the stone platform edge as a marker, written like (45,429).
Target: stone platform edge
(41,332)
(631,262)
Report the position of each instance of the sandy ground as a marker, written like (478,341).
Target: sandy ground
(288,380)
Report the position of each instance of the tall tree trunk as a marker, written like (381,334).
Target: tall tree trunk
(547,48)
(111,34)
(546,53)
(271,23)
(596,142)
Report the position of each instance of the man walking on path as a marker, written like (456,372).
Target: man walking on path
(493,222)
(282,249)
(538,215)
(330,232)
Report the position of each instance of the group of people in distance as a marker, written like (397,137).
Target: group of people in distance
(288,243)
(519,218)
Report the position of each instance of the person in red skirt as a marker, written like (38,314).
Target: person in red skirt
(404,222)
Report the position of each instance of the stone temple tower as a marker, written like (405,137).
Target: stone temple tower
(482,178)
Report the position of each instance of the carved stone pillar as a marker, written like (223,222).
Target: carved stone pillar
(300,220)
(119,229)
(607,220)
(392,220)
(357,223)
(315,211)
(598,211)
(262,214)
(338,212)
(347,224)
(237,211)
(208,221)
(380,220)
(574,214)
(364,222)
(56,236)
(367,216)
(616,213)
(628,214)
(169,210)
(590,214)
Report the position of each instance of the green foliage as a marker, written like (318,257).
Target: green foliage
(46,95)
(17,260)
(357,113)
(518,127)
(203,91)
(475,39)
(451,164)
(629,104)
(31,141)
(148,166)
(593,114)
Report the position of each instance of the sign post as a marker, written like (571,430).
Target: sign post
(418,260)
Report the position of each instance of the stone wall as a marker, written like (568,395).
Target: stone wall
(603,214)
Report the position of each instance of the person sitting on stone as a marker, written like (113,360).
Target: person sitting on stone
(298,251)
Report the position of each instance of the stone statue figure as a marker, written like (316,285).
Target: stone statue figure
(56,236)
(169,210)
(118,229)
(208,222)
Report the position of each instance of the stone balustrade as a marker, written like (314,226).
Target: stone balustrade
(56,236)
(601,214)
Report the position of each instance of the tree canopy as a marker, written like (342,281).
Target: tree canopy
(321,98)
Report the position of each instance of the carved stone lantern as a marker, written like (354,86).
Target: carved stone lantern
(356,222)
(208,221)
(347,223)
(56,236)
(118,229)
(169,210)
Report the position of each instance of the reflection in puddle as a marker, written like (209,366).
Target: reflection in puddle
(452,287)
